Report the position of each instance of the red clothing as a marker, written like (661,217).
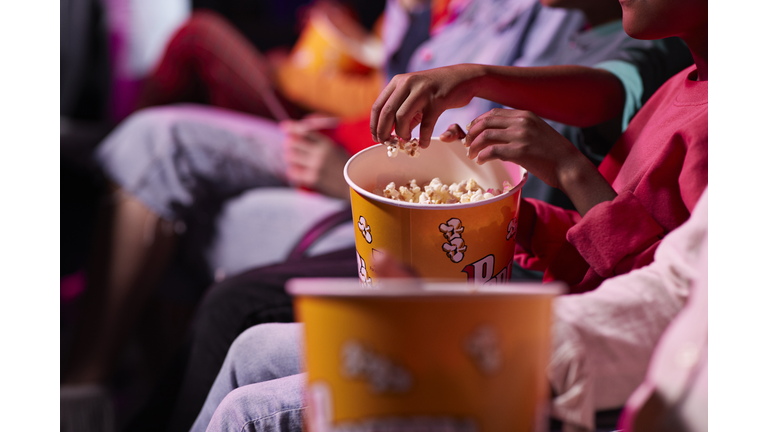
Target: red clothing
(353,135)
(209,60)
(659,168)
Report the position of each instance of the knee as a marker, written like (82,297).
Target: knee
(275,405)
(138,131)
(275,343)
(236,410)
(142,123)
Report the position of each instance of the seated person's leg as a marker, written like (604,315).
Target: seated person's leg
(167,163)
(232,306)
(262,354)
(275,405)
(169,157)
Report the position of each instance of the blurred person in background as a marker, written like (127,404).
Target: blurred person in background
(334,68)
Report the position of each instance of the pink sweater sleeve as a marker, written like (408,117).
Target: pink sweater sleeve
(617,236)
(541,232)
(612,230)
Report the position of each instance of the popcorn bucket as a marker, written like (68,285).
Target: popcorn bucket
(472,242)
(447,357)
(332,42)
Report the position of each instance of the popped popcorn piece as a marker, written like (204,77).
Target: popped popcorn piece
(436,192)
(395,144)
(391,192)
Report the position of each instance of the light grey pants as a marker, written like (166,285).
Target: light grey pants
(206,165)
(259,387)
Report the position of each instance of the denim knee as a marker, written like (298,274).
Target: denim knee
(270,406)
(266,351)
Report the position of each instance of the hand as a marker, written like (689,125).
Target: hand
(420,97)
(387,266)
(524,138)
(314,161)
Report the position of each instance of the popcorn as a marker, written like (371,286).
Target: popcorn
(395,143)
(436,192)
(464,140)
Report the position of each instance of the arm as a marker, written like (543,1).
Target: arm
(636,222)
(576,95)
(541,231)
(603,340)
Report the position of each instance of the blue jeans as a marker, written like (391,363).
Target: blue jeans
(260,385)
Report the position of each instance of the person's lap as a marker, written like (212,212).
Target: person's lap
(234,305)
(177,158)
(260,384)
(223,173)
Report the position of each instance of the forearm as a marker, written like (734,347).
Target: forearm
(575,95)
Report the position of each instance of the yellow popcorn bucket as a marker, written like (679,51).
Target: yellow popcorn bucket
(332,42)
(472,242)
(437,356)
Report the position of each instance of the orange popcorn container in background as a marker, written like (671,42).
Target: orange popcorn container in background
(331,41)
(472,242)
(437,356)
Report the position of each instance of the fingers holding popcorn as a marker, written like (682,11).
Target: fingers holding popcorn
(523,138)
(419,97)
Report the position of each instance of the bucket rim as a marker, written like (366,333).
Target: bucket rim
(418,288)
(419,206)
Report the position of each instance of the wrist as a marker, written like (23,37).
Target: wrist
(584,184)
(474,78)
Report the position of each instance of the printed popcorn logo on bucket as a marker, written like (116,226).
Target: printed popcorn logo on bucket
(381,373)
(455,247)
(482,346)
(362,271)
(512,228)
(365,229)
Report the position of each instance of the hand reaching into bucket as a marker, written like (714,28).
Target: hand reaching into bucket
(523,138)
(420,97)
(390,267)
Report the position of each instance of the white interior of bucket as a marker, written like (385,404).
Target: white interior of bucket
(372,170)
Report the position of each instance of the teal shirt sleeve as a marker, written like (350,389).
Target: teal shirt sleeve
(633,86)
